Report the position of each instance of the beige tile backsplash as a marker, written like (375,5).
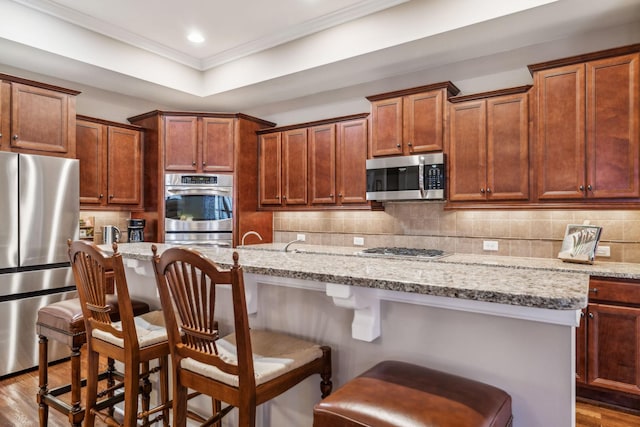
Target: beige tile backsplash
(102,218)
(534,233)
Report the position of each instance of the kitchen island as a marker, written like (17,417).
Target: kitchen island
(509,322)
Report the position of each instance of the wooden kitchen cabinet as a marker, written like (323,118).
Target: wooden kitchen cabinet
(410,121)
(588,114)
(488,150)
(317,165)
(608,343)
(283,168)
(110,157)
(37,118)
(199,144)
(337,159)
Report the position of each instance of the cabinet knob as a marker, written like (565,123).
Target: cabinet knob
(284,197)
(193,163)
(590,315)
(339,194)
(488,190)
(0,134)
(331,195)
(111,196)
(409,144)
(15,137)
(101,196)
(594,290)
(581,188)
(398,145)
(482,190)
(204,163)
(589,187)
(582,314)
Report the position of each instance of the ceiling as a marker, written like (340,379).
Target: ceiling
(258,53)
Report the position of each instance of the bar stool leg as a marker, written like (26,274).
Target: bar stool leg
(43,408)
(77,413)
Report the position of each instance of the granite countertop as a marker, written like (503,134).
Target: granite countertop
(527,282)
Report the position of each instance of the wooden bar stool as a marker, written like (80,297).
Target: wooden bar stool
(63,322)
(398,394)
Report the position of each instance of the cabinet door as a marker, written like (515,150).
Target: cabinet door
(270,165)
(5,115)
(508,148)
(581,349)
(467,151)
(351,161)
(40,119)
(91,152)
(613,113)
(294,167)
(423,122)
(124,166)
(217,144)
(614,347)
(322,164)
(181,143)
(560,145)
(386,127)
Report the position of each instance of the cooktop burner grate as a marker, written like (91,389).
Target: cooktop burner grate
(404,252)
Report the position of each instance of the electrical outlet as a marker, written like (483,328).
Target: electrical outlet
(358,241)
(604,251)
(490,245)
(301,237)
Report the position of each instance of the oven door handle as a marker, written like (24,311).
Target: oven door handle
(207,191)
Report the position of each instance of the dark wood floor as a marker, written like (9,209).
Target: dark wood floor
(18,406)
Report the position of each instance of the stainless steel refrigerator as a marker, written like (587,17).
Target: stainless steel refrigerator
(39,211)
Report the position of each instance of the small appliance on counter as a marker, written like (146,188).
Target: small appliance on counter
(110,234)
(135,230)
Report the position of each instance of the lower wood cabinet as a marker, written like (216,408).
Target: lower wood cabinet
(110,157)
(608,343)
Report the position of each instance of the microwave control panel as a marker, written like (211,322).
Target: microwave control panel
(434,177)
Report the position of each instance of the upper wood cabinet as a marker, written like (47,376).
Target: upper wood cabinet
(283,168)
(37,118)
(409,121)
(319,165)
(199,144)
(337,163)
(110,157)
(488,152)
(587,121)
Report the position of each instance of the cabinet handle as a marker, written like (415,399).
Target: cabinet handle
(111,196)
(339,194)
(0,134)
(101,196)
(193,163)
(15,137)
(488,190)
(581,188)
(409,144)
(582,314)
(331,195)
(204,163)
(590,315)
(284,197)
(482,190)
(398,145)
(589,187)
(594,290)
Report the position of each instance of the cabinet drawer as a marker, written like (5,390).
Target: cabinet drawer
(615,290)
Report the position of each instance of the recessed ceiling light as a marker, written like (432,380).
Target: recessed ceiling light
(195,37)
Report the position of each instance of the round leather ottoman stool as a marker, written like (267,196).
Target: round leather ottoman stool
(398,394)
(63,322)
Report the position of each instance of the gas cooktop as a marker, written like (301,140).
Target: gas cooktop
(404,253)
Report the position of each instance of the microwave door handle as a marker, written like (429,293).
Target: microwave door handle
(423,194)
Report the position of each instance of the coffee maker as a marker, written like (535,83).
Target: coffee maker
(135,230)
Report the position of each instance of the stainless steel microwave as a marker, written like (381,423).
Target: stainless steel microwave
(417,177)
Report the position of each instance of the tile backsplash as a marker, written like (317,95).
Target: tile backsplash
(533,233)
(102,218)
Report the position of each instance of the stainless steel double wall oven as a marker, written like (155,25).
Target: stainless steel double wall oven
(199,209)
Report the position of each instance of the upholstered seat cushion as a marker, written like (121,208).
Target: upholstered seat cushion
(273,355)
(399,394)
(149,328)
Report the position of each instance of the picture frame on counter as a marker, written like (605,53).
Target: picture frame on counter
(580,243)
